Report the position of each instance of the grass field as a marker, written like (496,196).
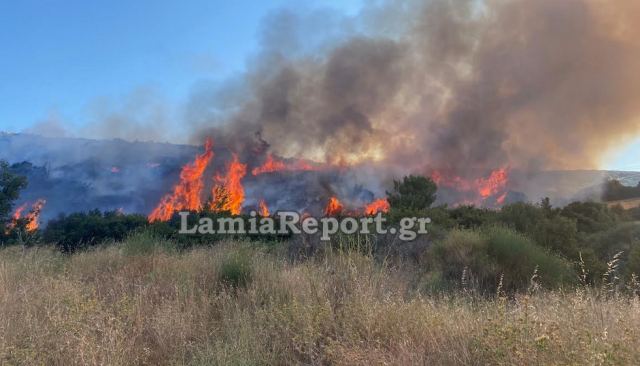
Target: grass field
(140,303)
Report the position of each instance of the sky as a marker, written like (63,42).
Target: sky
(58,57)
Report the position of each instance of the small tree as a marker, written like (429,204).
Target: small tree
(413,193)
(10,187)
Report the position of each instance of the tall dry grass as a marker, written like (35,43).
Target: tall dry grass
(117,306)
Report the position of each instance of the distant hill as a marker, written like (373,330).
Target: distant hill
(82,174)
(76,174)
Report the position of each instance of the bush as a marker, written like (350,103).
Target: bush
(471,217)
(544,225)
(461,252)
(517,257)
(591,217)
(412,193)
(481,257)
(145,242)
(236,270)
(614,190)
(79,230)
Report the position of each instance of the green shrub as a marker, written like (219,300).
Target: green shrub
(413,192)
(544,225)
(481,257)
(517,257)
(80,230)
(632,266)
(591,217)
(462,251)
(236,269)
(145,242)
(471,217)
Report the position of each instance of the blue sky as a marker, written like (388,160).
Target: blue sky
(59,56)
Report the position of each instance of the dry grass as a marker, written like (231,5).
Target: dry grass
(110,307)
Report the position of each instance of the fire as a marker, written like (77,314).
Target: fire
(500,200)
(481,188)
(379,205)
(263,208)
(496,182)
(273,165)
(270,165)
(334,207)
(32,217)
(186,194)
(18,213)
(228,192)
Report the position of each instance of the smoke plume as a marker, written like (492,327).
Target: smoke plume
(459,86)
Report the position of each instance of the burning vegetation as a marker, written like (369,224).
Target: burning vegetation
(31,219)
(186,194)
(228,191)
(476,191)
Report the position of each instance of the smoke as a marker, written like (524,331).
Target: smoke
(459,86)
(142,115)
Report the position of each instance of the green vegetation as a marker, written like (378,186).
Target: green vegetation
(10,187)
(235,269)
(490,248)
(614,190)
(81,230)
(412,193)
(493,257)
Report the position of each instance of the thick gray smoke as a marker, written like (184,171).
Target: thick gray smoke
(459,86)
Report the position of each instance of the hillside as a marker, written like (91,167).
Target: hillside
(76,174)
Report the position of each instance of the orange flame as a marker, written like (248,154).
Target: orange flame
(186,194)
(379,205)
(272,165)
(263,208)
(228,193)
(482,188)
(18,213)
(34,215)
(496,182)
(500,200)
(334,207)
(31,218)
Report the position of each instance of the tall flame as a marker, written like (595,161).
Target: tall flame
(263,208)
(228,192)
(334,207)
(32,217)
(186,194)
(379,205)
(496,182)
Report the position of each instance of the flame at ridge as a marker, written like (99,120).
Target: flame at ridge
(379,205)
(494,185)
(272,164)
(334,207)
(263,208)
(186,194)
(228,192)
